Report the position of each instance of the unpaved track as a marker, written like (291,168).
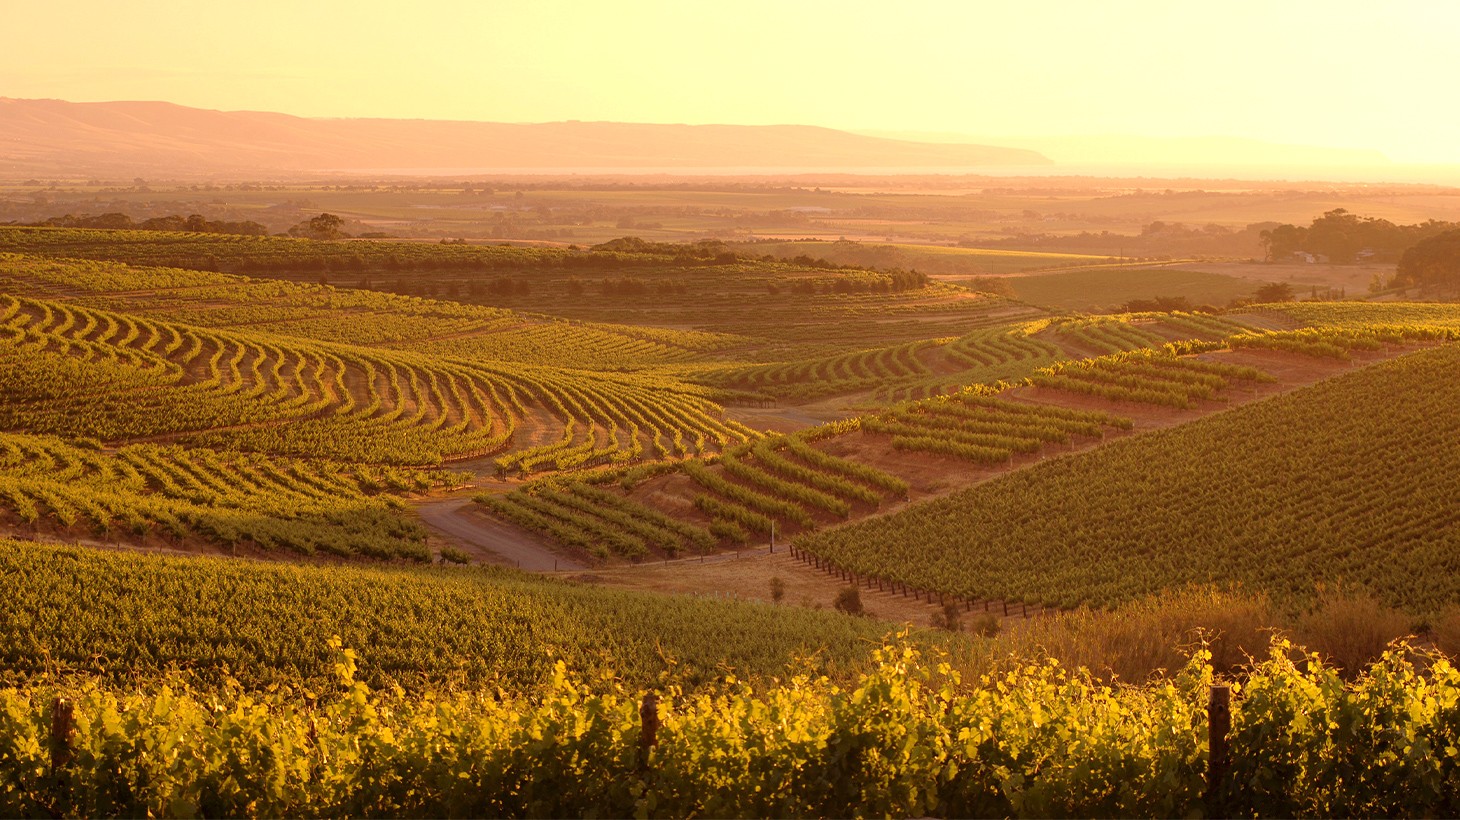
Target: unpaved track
(457,520)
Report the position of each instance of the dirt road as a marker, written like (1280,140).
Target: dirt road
(457,521)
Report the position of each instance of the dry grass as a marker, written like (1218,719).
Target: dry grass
(1350,629)
(1142,640)
(1156,636)
(1445,631)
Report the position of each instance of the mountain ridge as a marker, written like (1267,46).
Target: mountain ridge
(51,136)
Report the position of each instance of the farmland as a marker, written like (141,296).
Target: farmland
(615,441)
(460,410)
(903,210)
(1313,467)
(218,618)
(1107,288)
(207,441)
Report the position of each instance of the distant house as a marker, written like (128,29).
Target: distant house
(1364,255)
(1310,258)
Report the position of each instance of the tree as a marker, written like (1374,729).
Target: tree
(1282,241)
(324,226)
(1432,264)
(1275,292)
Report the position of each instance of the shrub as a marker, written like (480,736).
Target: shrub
(849,600)
(455,556)
(948,618)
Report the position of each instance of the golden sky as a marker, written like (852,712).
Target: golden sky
(1336,73)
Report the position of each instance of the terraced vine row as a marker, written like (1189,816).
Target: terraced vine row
(748,492)
(225,498)
(984,429)
(1436,316)
(1105,334)
(596,520)
(1205,326)
(845,373)
(1147,376)
(232,390)
(986,356)
(1339,342)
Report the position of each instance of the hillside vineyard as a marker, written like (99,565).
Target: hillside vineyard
(885,541)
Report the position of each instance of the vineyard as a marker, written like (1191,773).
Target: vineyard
(259,254)
(1149,377)
(1276,496)
(148,493)
(985,429)
(1001,351)
(758,526)
(126,617)
(345,382)
(908,738)
(357,317)
(781,311)
(117,377)
(795,484)
(746,493)
(913,370)
(783,484)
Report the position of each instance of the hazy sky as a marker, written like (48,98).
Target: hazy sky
(1352,74)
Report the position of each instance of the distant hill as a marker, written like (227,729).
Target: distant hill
(43,137)
(1137,151)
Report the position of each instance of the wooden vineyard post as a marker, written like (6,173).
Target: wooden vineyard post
(649,733)
(1219,759)
(63,726)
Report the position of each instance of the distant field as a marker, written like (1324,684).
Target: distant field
(936,260)
(936,209)
(1351,280)
(1099,290)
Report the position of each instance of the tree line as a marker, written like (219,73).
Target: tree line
(1345,238)
(193,223)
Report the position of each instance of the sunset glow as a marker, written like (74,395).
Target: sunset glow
(1345,74)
